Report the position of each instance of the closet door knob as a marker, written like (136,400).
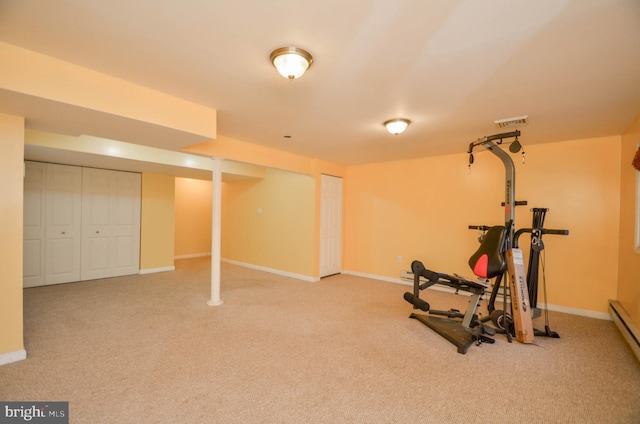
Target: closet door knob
(97,231)
(64,232)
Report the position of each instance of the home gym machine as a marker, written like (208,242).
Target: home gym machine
(487,262)
(502,320)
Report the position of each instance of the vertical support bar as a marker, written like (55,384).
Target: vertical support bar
(510,189)
(216,212)
(471,309)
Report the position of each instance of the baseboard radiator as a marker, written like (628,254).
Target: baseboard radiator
(628,329)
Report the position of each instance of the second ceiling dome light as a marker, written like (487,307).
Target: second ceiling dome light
(397,126)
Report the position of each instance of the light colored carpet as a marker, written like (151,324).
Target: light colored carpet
(148,349)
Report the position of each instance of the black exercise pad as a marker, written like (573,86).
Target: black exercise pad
(449,329)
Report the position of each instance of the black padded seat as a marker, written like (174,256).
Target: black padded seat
(488,261)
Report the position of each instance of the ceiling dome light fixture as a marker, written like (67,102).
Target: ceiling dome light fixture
(397,126)
(291,62)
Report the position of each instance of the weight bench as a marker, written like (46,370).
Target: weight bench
(462,330)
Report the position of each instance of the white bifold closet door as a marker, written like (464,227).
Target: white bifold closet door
(52,224)
(33,224)
(110,223)
(79,224)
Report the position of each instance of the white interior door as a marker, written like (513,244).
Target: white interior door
(62,223)
(330,225)
(34,228)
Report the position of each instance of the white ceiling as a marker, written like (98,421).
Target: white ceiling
(451,67)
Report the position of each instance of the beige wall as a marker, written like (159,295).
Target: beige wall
(244,152)
(157,222)
(629,260)
(193,217)
(420,209)
(11,205)
(270,222)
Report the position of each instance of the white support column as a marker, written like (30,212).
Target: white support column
(216,212)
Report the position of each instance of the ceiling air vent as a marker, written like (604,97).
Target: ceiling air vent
(512,122)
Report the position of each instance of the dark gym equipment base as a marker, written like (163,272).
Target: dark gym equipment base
(449,329)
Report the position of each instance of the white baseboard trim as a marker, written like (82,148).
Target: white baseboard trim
(557,308)
(154,270)
(273,271)
(193,255)
(375,277)
(15,356)
(575,311)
